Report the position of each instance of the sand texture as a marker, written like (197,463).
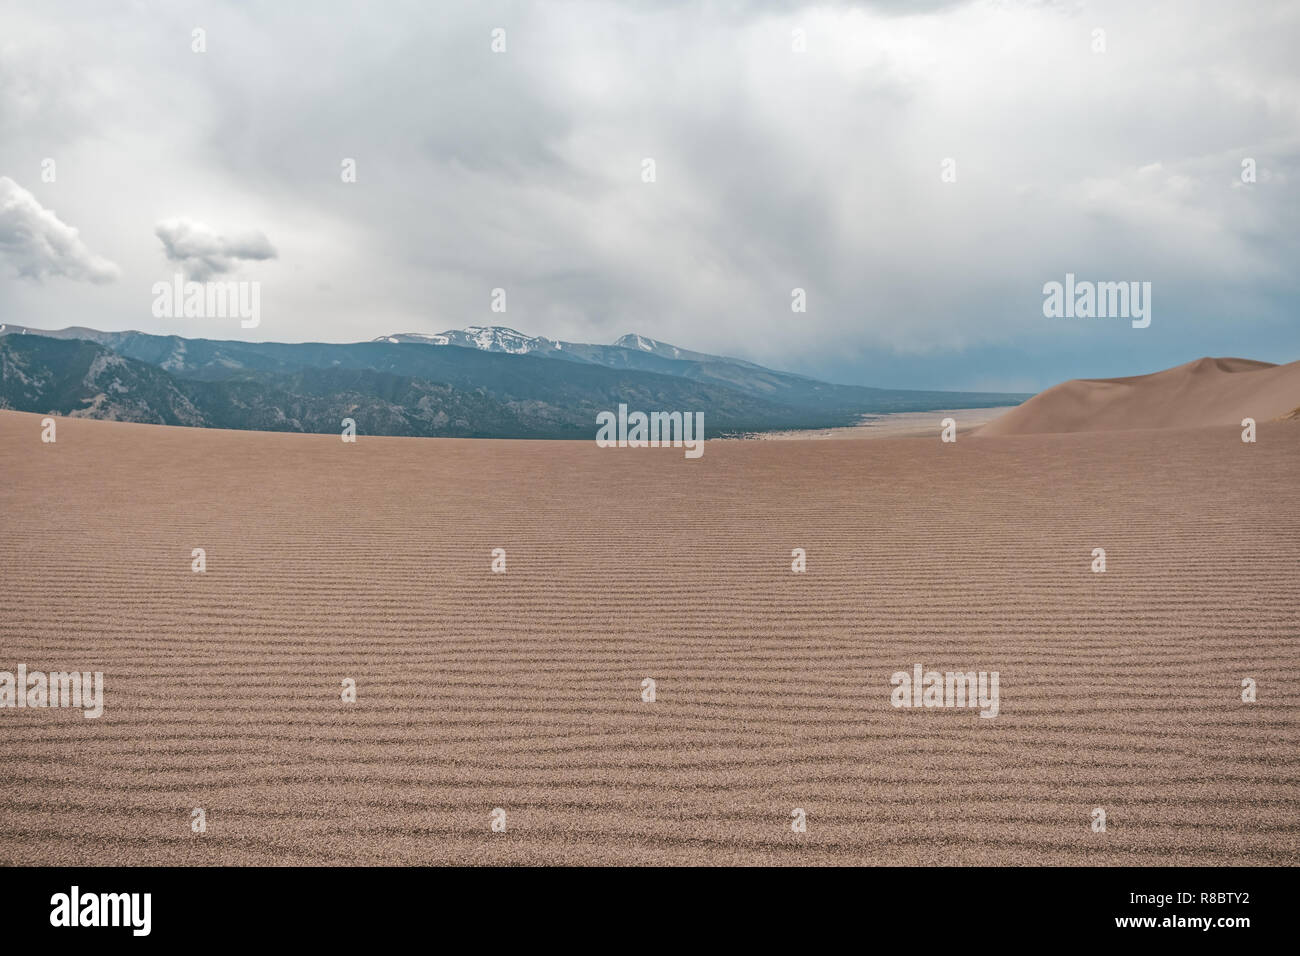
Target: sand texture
(522,690)
(1199,394)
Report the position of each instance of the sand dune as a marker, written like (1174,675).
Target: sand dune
(522,691)
(1206,392)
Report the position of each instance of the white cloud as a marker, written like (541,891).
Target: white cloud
(38,243)
(203,253)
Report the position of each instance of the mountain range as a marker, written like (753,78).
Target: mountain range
(481,381)
(498,338)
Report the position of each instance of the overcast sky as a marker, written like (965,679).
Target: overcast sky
(775,169)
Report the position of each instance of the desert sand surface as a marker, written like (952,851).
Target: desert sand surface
(893,425)
(1199,394)
(522,690)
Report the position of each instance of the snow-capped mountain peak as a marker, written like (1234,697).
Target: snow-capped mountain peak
(500,338)
(488,338)
(645,344)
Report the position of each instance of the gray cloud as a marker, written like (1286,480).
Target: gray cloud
(202,253)
(776,169)
(38,244)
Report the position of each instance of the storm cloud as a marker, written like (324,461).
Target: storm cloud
(794,147)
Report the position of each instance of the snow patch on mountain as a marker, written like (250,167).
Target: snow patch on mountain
(500,338)
(487,338)
(644,344)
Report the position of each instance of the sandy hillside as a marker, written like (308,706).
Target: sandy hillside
(1206,392)
(522,691)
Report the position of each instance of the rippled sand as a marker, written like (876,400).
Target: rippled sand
(522,690)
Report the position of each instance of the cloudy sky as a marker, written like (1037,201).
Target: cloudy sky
(775,168)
